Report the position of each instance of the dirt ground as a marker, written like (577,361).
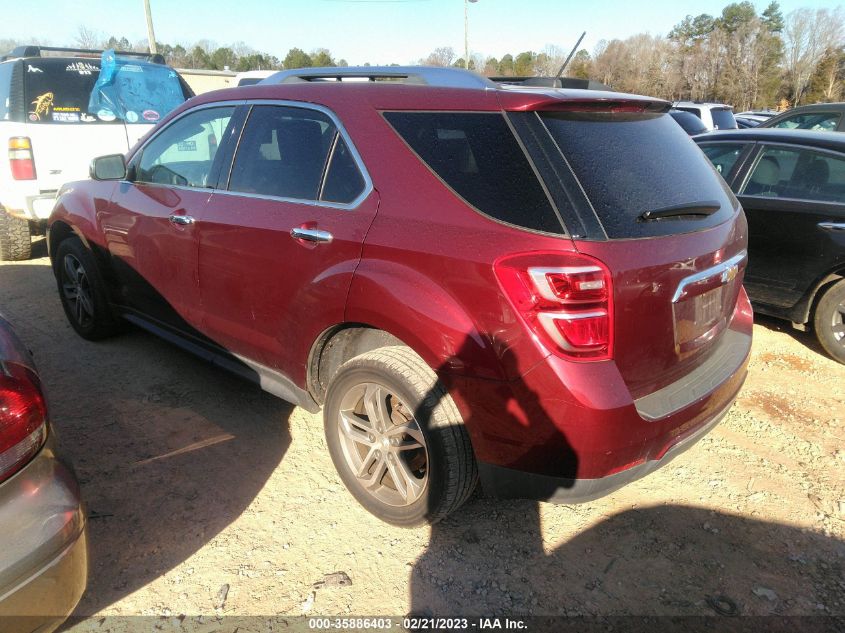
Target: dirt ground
(195,480)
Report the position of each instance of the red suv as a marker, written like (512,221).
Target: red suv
(539,288)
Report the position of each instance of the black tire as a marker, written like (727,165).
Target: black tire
(451,469)
(829,321)
(15,238)
(96,320)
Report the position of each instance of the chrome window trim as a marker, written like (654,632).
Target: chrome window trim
(718,269)
(349,206)
(341,130)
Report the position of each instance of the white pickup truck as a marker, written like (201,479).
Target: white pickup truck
(57,112)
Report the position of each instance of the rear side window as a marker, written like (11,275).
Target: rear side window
(631,163)
(344,181)
(723,119)
(5,89)
(478,157)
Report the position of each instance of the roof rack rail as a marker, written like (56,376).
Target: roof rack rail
(552,82)
(37,51)
(416,75)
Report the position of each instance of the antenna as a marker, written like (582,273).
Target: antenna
(566,63)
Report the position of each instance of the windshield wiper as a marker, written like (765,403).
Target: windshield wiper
(700,209)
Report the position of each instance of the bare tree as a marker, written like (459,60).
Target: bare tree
(808,36)
(88,38)
(443,56)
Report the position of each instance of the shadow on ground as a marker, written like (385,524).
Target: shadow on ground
(688,562)
(169,450)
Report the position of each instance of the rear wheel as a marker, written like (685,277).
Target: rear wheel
(82,291)
(15,242)
(829,321)
(397,439)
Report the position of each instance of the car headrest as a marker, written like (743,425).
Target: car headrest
(767,172)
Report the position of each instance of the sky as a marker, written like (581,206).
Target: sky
(375,31)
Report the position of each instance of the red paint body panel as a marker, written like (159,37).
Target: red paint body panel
(417,261)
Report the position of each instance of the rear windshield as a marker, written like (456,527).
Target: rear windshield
(73,91)
(723,119)
(631,163)
(689,122)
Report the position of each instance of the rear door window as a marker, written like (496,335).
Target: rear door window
(628,164)
(283,153)
(723,118)
(477,156)
(797,174)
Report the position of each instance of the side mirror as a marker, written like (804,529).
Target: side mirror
(111,167)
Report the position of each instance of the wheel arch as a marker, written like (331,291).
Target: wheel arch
(338,344)
(805,310)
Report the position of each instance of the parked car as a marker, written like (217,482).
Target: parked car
(413,254)
(690,123)
(252,77)
(44,559)
(757,115)
(57,112)
(743,123)
(716,116)
(791,184)
(819,117)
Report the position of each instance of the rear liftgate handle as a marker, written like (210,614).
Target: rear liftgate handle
(311,235)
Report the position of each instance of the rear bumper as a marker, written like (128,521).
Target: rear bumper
(44,564)
(36,208)
(573,431)
(506,483)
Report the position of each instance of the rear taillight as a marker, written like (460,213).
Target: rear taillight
(23,418)
(20,158)
(566,300)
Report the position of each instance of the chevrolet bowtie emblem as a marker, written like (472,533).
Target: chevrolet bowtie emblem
(729,274)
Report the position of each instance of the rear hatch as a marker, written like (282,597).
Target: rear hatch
(642,199)
(73,115)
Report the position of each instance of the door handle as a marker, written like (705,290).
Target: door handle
(832,226)
(311,235)
(182,220)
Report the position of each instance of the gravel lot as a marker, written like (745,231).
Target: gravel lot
(195,480)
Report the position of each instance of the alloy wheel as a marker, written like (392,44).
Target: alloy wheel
(383,445)
(837,323)
(77,291)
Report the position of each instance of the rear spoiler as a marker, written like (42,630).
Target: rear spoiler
(552,82)
(38,51)
(581,101)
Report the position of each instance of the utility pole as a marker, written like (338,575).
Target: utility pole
(466,33)
(151,36)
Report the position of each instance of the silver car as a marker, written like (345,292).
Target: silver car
(43,546)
